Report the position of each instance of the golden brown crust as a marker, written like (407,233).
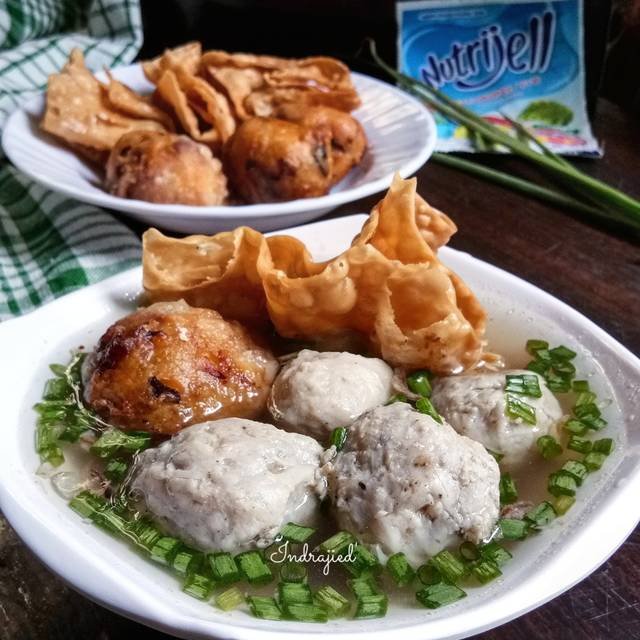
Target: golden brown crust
(170,365)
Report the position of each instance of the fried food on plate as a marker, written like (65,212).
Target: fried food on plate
(80,112)
(165,168)
(346,135)
(389,286)
(171,365)
(186,57)
(269,160)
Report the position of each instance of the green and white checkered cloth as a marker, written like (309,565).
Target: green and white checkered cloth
(49,244)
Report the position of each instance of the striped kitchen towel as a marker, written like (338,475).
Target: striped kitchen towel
(49,244)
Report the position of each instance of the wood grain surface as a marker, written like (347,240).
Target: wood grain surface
(595,270)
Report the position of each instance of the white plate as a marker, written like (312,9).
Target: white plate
(110,573)
(400,130)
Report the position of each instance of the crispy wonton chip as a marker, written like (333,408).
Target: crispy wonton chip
(237,84)
(389,286)
(186,57)
(78,109)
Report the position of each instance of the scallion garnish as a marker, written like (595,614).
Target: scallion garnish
(562,504)
(450,567)
(439,595)
(575,427)
(469,551)
(264,607)
(338,544)
(576,469)
(397,397)
(116,470)
(581,445)
(562,354)
(523,385)
(223,568)
(400,570)
(585,397)
(230,599)
(364,561)
(187,560)
(533,346)
(548,447)
(372,606)
(495,552)
(198,585)
(485,571)
(292,571)
(517,409)
(338,438)
(604,445)
(253,567)
(424,405)
(562,484)
(594,460)
(428,574)
(508,490)
(165,550)
(513,529)
(113,442)
(294,593)
(333,601)
(306,612)
(363,586)
(296,532)
(541,515)
(419,382)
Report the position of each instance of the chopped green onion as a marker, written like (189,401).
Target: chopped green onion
(400,570)
(533,346)
(224,568)
(589,414)
(264,607)
(581,445)
(294,593)
(86,504)
(306,612)
(585,397)
(513,529)
(557,383)
(564,369)
(296,532)
(439,595)
(115,470)
(541,514)
(580,386)
(605,445)
(397,397)
(198,585)
(230,599)
(420,383)
(451,568)
(338,438)
(548,447)
(594,460)
(253,567)
(364,586)
(373,606)
(538,366)
(562,484)
(57,389)
(363,561)
(145,533)
(424,405)
(338,544)
(292,571)
(497,456)
(469,551)
(187,561)
(485,571)
(508,490)
(575,426)
(523,385)
(562,504)
(517,409)
(562,353)
(114,441)
(495,552)
(428,574)
(333,601)
(165,549)
(576,469)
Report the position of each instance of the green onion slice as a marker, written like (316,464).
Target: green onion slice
(373,606)
(523,385)
(548,447)
(562,484)
(296,532)
(513,529)
(517,409)
(419,382)
(400,570)
(450,567)
(508,489)
(485,571)
(253,567)
(223,568)
(333,601)
(230,599)
(339,438)
(424,405)
(439,595)
(581,445)
(541,514)
(264,607)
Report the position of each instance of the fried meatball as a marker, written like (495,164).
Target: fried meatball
(269,160)
(474,405)
(230,485)
(406,483)
(317,392)
(171,365)
(346,135)
(165,168)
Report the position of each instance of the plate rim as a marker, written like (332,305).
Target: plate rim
(529,595)
(249,212)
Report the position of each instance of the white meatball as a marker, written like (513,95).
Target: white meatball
(474,405)
(231,484)
(317,392)
(409,484)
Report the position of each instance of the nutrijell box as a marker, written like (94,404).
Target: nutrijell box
(500,58)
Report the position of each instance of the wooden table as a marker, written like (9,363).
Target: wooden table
(594,270)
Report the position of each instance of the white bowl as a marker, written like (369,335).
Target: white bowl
(400,130)
(109,572)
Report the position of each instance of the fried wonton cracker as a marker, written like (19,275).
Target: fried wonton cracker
(186,57)
(79,111)
(389,286)
(237,85)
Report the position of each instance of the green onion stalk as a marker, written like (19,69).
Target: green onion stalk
(610,204)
